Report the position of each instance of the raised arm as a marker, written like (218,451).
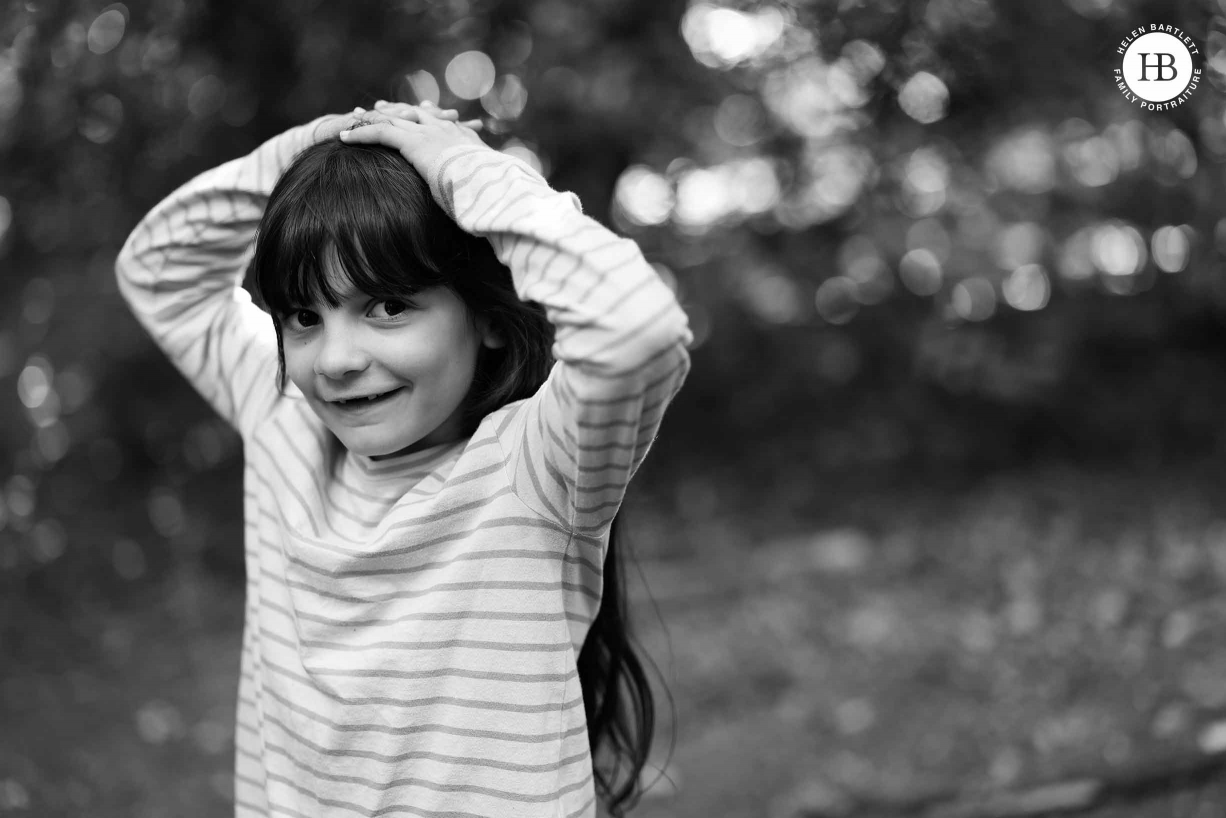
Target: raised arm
(181,272)
(620,341)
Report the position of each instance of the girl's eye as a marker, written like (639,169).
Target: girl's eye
(392,307)
(302,318)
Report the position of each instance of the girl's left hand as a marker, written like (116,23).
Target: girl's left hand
(420,133)
(331,126)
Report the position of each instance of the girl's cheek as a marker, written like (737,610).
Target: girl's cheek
(297,362)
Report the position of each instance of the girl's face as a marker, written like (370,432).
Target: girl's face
(417,356)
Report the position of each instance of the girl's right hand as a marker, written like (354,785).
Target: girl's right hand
(406,110)
(421,135)
(332,126)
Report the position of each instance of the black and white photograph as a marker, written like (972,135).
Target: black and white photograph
(613,409)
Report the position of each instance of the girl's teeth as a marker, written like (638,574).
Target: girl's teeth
(367,399)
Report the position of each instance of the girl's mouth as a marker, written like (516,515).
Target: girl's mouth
(360,404)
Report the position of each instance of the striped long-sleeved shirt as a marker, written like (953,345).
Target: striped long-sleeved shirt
(413,624)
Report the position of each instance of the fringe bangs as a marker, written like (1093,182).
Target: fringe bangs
(337,213)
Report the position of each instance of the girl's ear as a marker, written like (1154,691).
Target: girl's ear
(490,337)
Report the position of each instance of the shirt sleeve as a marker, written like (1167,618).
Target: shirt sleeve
(620,337)
(181,271)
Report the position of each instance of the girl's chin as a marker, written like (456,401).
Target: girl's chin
(376,450)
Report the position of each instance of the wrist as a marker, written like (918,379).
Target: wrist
(438,167)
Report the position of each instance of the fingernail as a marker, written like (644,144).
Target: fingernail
(427,104)
(380,102)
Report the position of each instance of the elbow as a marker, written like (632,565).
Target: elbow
(660,343)
(671,332)
(126,262)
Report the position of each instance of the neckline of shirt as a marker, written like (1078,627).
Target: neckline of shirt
(405,464)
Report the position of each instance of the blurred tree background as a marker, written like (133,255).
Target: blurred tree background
(939,506)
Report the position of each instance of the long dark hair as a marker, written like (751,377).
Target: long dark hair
(373,210)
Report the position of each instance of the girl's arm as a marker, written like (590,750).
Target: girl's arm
(620,343)
(181,273)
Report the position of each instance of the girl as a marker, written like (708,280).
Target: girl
(430,498)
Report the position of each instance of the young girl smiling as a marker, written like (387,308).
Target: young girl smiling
(455,379)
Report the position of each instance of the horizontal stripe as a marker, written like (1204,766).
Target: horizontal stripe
(241,804)
(442,644)
(583,808)
(676,350)
(439,673)
(426,755)
(434,673)
(452,701)
(401,783)
(360,810)
(440,588)
(416,729)
(471,556)
(661,383)
(485,525)
(428,616)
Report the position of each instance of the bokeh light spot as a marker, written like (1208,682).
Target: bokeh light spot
(52,442)
(527,154)
(702,198)
(48,540)
(1092,9)
(774,297)
(1171,247)
(1093,162)
(20,495)
(158,722)
(13,795)
(861,261)
(836,300)
(470,74)
(924,98)
(34,382)
(107,29)
(644,196)
(925,181)
(739,120)
(206,96)
(974,299)
(166,512)
(420,86)
(1024,160)
(11,92)
(1076,260)
(723,37)
(75,385)
(102,119)
(507,99)
(920,272)
(6,217)
(1118,249)
(1176,151)
(756,180)
(1027,288)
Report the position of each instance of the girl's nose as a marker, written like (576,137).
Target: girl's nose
(340,354)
